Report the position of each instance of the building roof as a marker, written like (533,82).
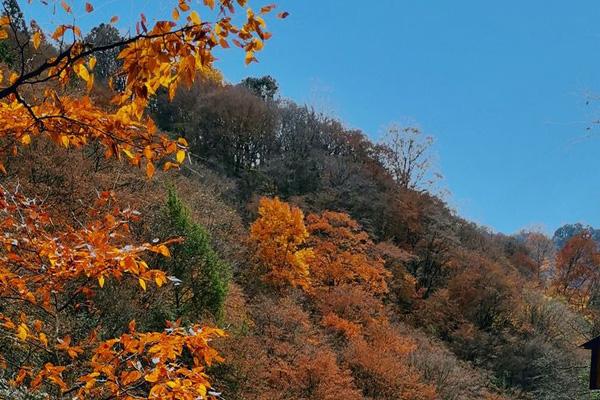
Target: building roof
(595,342)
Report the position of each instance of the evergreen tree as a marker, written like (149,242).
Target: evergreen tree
(8,47)
(204,276)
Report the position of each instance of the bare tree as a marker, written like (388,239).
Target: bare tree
(541,251)
(406,154)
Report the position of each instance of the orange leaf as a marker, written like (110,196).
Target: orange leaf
(183,5)
(149,169)
(88,7)
(59,32)
(66,7)
(36,39)
(267,9)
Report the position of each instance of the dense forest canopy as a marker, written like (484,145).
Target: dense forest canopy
(170,235)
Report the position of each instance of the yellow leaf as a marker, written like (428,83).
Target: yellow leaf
(175,14)
(22,331)
(3,34)
(210,3)
(26,139)
(4,20)
(82,71)
(128,153)
(64,140)
(180,156)
(37,39)
(249,57)
(92,62)
(164,250)
(149,169)
(195,18)
(142,283)
(101,281)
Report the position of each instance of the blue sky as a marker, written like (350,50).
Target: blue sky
(501,85)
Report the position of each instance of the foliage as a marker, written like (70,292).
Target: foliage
(401,299)
(107,61)
(343,253)
(279,238)
(229,125)
(49,268)
(578,270)
(265,87)
(202,277)
(48,273)
(163,56)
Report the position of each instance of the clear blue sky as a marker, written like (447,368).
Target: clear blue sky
(501,85)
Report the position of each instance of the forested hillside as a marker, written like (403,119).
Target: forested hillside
(257,249)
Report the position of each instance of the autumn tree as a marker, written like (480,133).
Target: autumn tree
(279,239)
(577,269)
(344,254)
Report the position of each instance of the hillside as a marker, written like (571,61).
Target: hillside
(293,257)
(438,308)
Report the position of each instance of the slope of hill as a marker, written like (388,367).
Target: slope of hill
(289,256)
(402,298)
